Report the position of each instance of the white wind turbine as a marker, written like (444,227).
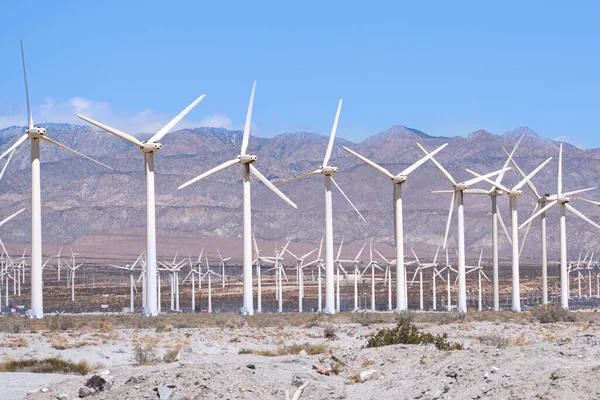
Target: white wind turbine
(208,274)
(419,270)
(328,171)
(373,264)
(319,264)
(174,269)
(338,264)
(132,288)
(513,193)
(480,274)
(388,276)
(223,261)
(541,201)
(191,275)
(279,273)
(300,274)
(36,134)
(258,277)
(148,147)
(397,181)
(458,189)
(562,199)
(246,161)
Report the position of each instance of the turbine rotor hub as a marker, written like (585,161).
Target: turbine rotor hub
(515,193)
(149,147)
(247,158)
(329,170)
(563,200)
(36,133)
(461,186)
(399,179)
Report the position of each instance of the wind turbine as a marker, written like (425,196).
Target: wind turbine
(513,193)
(192,279)
(223,260)
(419,270)
(208,274)
(388,276)
(562,199)
(300,272)
(279,269)
(319,263)
(397,181)
(328,171)
(36,134)
(258,277)
(480,274)
(246,161)
(132,288)
(148,147)
(458,189)
(373,264)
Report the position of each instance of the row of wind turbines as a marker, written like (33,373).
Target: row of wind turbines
(246,160)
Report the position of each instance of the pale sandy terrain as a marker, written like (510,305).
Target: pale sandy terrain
(543,361)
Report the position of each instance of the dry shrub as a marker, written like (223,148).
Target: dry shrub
(494,340)
(105,326)
(229,320)
(551,313)
(12,324)
(161,326)
(171,355)
(14,342)
(46,366)
(329,332)
(310,349)
(145,355)
(367,318)
(59,322)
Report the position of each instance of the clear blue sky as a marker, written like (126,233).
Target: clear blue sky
(447,68)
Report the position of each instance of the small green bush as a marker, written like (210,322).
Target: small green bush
(550,313)
(407,333)
(494,340)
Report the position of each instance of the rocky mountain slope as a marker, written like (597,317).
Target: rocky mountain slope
(102,211)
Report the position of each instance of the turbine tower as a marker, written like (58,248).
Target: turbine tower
(397,181)
(36,134)
(328,171)
(246,161)
(148,147)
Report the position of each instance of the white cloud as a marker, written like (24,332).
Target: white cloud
(142,121)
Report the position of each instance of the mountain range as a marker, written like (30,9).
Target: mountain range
(102,212)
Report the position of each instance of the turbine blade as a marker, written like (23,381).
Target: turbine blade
(165,129)
(246,136)
(360,252)
(476,191)
(510,157)
(438,165)
(416,258)
(483,177)
(116,132)
(422,160)
(5,220)
(320,248)
(480,256)
(307,254)
(577,213)
(442,191)
(531,175)
(436,255)
(29,116)
(316,172)
(486,179)
(332,136)
(590,201)
(504,226)
(346,197)
(268,183)
(550,204)
(449,219)
(340,249)
(218,168)
(382,257)
(15,145)
(369,162)
(527,230)
(529,183)
(578,191)
(6,165)
(47,139)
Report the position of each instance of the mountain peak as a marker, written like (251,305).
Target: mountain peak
(480,134)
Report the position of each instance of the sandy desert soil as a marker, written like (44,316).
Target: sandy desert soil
(507,356)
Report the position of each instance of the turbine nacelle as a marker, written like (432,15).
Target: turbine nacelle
(563,200)
(514,193)
(399,178)
(149,147)
(329,170)
(35,132)
(247,158)
(461,186)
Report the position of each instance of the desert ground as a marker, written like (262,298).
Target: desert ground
(506,355)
